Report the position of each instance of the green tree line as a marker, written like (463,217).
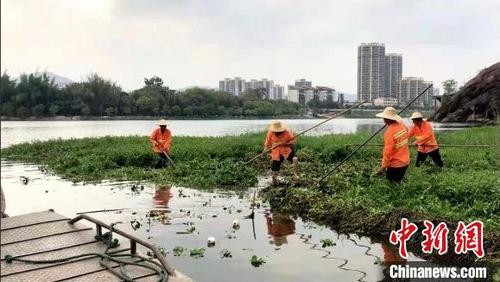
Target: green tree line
(38,95)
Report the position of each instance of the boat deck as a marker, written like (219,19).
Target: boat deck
(48,236)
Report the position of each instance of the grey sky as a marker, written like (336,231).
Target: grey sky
(199,42)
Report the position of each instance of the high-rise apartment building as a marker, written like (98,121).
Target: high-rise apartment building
(371,71)
(413,86)
(277,92)
(393,75)
(234,86)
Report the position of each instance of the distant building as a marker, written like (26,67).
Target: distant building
(371,71)
(234,86)
(324,93)
(264,85)
(300,94)
(427,97)
(303,83)
(341,99)
(413,86)
(393,75)
(303,93)
(386,102)
(277,92)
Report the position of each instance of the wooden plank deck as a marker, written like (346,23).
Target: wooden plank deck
(48,235)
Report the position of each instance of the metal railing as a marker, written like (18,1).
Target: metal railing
(133,240)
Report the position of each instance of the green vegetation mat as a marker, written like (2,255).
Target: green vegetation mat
(467,188)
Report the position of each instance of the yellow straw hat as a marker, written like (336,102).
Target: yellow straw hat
(416,115)
(277,126)
(162,122)
(390,113)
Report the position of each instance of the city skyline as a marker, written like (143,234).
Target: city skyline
(195,44)
(381,80)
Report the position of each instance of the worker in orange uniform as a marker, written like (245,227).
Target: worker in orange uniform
(396,155)
(161,138)
(425,140)
(279,135)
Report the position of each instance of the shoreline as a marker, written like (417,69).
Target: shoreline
(355,114)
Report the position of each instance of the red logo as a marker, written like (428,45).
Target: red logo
(402,235)
(469,238)
(435,238)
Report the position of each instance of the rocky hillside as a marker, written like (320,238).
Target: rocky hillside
(477,100)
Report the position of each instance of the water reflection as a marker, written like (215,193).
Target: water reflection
(391,254)
(279,226)
(162,196)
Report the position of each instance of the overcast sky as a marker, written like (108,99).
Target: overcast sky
(200,42)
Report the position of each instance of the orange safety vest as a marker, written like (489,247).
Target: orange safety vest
(165,140)
(283,150)
(396,150)
(424,134)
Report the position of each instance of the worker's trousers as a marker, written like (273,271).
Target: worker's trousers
(435,156)
(396,174)
(162,161)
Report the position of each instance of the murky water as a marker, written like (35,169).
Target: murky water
(282,241)
(14,132)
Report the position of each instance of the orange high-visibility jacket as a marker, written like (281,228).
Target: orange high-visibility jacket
(396,151)
(165,140)
(426,140)
(283,150)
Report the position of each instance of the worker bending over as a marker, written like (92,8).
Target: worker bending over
(425,140)
(281,137)
(161,138)
(396,154)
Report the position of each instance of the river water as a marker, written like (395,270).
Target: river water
(280,240)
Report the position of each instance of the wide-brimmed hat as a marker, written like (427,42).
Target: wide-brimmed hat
(416,115)
(277,126)
(162,122)
(390,113)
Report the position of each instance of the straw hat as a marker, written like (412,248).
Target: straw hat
(162,122)
(416,115)
(390,113)
(277,126)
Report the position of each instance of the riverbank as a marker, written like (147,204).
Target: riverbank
(351,200)
(356,113)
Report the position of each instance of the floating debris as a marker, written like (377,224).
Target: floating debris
(225,253)
(197,253)
(327,243)
(135,224)
(211,241)
(256,261)
(236,224)
(178,251)
(24,180)
(191,229)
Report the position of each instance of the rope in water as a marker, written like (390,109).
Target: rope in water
(107,239)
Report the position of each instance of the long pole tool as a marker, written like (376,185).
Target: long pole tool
(369,139)
(168,157)
(309,129)
(439,145)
